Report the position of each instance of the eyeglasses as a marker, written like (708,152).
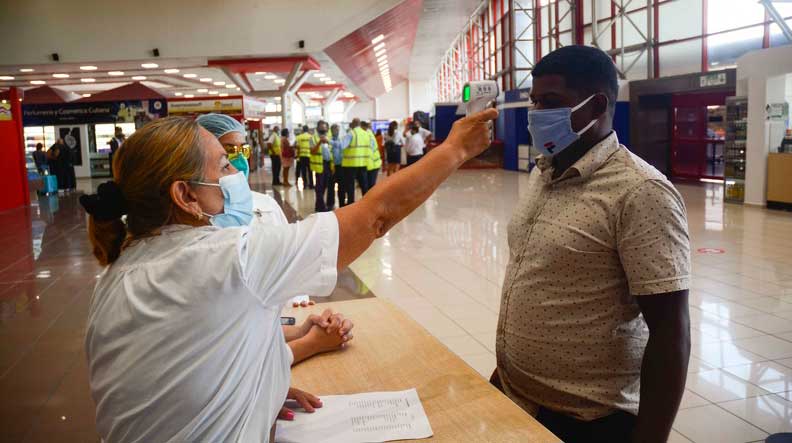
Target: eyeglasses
(235,151)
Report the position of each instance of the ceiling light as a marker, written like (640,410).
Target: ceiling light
(237,88)
(205,80)
(379,46)
(172,71)
(380,52)
(89,80)
(279,81)
(260,73)
(89,68)
(383,64)
(139,77)
(86,95)
(270,77)
(26,70)
(6,77)
(188,96)
(38,82)
(319,75)
(382,58)
(115,73)
(60,75)
(178,93)
(149,65)
(190,75)
(377,39)
(277,99)
(230,86)
(202,90)
(224,95)
(213,93)
(218,83)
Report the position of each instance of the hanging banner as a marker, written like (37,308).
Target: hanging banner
(204,106)
(133,111)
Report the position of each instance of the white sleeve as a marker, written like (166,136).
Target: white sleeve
(424,133)
(281,262)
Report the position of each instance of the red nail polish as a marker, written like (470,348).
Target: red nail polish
(289,415)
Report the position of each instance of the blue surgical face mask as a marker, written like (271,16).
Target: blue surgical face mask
(551,129)
(241,165)
(237,202)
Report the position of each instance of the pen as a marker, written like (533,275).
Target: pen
(290,321)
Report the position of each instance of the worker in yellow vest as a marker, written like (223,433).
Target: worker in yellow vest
(304,144)
(322,165)
(274,150)
(356,150)
(375,160)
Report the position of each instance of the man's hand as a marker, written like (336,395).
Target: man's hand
(308,402)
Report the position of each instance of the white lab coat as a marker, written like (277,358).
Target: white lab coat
(266,210)
(184,341)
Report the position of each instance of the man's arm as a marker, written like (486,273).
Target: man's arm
(665,362)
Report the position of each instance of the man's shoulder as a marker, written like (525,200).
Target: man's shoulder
(630,167)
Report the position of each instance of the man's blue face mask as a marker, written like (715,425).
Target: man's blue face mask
(237,201)
(551,129)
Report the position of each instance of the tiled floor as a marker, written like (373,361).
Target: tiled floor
(444,265)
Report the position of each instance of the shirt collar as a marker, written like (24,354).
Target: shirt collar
(591,161)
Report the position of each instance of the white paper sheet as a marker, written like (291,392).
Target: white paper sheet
(359,418)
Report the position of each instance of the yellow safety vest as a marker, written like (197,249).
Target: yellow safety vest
(317,160)
(276,145)
(304,145)
(359,150)
(375,161)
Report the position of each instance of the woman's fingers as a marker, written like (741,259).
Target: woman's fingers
(347,338)
(336,321)
(346,327)
(286,414)
(307,401)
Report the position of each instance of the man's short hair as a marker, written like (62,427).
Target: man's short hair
(585,69)
(305,128)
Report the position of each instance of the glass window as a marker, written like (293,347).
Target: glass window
(723,15)
(724,49)
(777,38)
(680,58)
(680,19)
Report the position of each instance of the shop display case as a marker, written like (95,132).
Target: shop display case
(734,155)
(39,134)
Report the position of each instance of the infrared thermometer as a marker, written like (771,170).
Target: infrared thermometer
(476,96)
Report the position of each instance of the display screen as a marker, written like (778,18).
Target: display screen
(466,93)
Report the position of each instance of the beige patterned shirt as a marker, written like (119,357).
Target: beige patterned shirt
(582,248)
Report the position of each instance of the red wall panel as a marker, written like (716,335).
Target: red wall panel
(13,175)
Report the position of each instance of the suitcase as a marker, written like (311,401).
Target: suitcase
(50,184)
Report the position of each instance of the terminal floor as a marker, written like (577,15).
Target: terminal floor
(444,265)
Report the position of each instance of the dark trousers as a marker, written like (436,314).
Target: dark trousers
(325,197)
(276,169)
(350,175)
(372,179)
(338,180)
(413,158)
(304,170)
(614,428)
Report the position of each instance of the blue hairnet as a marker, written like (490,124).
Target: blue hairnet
(220,124)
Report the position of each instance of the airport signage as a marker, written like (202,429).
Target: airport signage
(97,112)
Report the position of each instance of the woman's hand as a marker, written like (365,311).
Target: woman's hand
(472,134)
(308,402)
(334,336)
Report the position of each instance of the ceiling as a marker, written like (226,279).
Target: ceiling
(441,21)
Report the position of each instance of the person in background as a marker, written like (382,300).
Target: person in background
(40,158)
(394,141)
(375,161)
(337,183)
(287,155)
(357,146)
(303,340)
(67,179)
(414,144)
(274,148)
(304,144)
(322,165)
(594,332)
(115,143)
(381,147)
(52,160)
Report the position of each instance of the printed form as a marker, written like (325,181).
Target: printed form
(359,418)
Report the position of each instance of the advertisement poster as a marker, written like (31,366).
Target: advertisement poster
(71,137)
(133,111)
(222,106)
(5,112)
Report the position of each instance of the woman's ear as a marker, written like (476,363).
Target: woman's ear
(185,199)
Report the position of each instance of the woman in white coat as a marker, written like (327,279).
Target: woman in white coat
(184,340)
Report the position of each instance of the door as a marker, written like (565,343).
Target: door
(698,135)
